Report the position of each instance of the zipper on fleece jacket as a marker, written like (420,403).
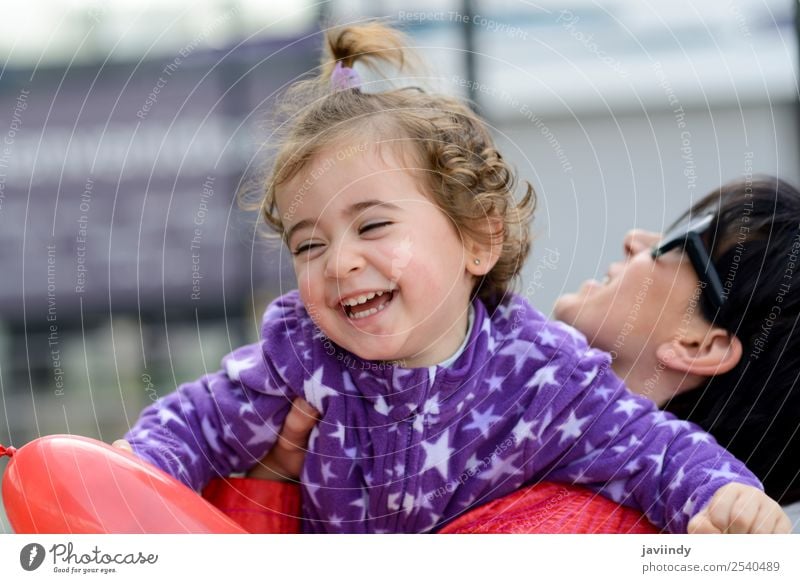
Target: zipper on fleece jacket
(407,518)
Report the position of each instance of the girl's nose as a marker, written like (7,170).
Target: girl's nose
(343,261)
(638,240)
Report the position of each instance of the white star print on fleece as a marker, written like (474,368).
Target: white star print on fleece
(526,401)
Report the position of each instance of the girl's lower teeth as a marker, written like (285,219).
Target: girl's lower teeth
(366,313)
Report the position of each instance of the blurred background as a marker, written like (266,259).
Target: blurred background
(128,127)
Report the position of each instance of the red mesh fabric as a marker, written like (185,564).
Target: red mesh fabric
(258,506)
(550,508)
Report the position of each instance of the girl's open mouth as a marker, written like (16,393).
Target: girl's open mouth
(373,305)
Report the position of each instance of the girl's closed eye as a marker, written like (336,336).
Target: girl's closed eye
(373,226)
(303,247)
(308,246)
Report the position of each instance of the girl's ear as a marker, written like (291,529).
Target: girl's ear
(482,256)
(715,352)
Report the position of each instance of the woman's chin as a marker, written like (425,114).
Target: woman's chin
(568,306)
(562,309)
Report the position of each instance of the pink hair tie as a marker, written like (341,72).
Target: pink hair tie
(344,77)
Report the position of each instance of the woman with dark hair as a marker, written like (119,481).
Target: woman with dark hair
(754,409)
(704,321)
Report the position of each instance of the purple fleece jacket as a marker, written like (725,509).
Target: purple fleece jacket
(407,450)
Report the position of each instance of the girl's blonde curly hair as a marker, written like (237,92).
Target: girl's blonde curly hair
(460,166)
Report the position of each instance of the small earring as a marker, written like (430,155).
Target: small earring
(476,261)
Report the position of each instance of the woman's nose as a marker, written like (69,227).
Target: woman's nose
(343,260)
(638,240)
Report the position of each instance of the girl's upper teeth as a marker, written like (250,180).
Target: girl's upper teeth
(361,299)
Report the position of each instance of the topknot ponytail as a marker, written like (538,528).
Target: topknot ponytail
(374,44)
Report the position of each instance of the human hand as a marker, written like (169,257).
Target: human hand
(740,509)
(123,445)
(285,460)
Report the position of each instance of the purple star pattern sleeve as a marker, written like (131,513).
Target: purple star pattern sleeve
(617,443)
(218,425)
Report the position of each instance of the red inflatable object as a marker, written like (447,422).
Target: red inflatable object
(76,485)
(550,508)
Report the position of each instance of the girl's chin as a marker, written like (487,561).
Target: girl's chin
(379,357)
(366,348)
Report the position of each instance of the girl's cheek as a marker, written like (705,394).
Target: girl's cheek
(305,284)
(388,258)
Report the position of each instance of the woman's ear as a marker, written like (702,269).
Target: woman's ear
(483,255)
(714,352)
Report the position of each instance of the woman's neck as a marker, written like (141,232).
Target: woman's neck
(655,380)
(651,379)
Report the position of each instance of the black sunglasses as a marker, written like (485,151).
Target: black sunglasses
(690,238)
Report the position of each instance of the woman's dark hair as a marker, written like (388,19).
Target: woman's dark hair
(754,409)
